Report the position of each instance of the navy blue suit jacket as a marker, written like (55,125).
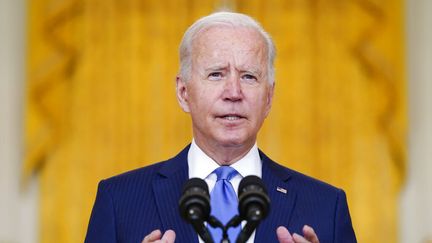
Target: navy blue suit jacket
(131,205)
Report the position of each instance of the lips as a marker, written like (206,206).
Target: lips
(231,117)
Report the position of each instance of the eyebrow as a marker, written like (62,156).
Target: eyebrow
(253,70)
(216,67)
(219,67)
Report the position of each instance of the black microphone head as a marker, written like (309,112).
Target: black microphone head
(251,180)
(195,182)
(254,202)
(194,204)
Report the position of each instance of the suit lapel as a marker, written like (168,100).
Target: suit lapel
(282,199)
(167,188)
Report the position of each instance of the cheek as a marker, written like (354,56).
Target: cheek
(201,102)
(261,105)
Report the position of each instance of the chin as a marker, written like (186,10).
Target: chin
(232,141)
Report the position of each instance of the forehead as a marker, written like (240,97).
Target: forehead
(222,42)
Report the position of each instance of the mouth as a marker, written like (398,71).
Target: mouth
(231,117)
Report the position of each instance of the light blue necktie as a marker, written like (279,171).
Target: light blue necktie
(224,203)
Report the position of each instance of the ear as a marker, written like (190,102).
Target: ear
(182,94)
(269,98)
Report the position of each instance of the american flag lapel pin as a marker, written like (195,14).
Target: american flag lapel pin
(280,189)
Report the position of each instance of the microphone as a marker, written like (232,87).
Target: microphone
(254,205)
(194,206)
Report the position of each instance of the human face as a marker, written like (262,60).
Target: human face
(228,94)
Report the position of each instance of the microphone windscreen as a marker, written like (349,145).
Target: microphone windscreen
(195,183)
(254,202)
(251,181)
(194,204)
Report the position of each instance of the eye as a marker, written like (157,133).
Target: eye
(215,76)
(249,78)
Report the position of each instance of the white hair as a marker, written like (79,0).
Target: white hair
(223,19)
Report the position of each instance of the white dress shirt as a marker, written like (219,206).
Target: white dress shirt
(202,166)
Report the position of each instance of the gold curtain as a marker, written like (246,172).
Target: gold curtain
(101,100)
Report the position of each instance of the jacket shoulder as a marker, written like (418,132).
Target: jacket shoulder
(300,181)
(311,183)
(145,175)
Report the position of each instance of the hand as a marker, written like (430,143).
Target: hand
(155,237)
(284,235)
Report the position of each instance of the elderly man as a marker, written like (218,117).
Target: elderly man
(226,84)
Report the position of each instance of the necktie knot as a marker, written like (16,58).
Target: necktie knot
(225,173)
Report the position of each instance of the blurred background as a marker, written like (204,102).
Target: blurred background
(87,92)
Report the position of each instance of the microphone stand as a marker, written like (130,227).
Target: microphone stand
(215,223)
(246,231)
(202,231)
(253,219)
(234,222)
(195,218)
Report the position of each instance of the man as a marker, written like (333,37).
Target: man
(226,84)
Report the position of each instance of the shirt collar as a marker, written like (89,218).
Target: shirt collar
(201,165)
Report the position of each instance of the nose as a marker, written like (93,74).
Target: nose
(233,89)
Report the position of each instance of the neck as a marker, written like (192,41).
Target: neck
(224,154)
